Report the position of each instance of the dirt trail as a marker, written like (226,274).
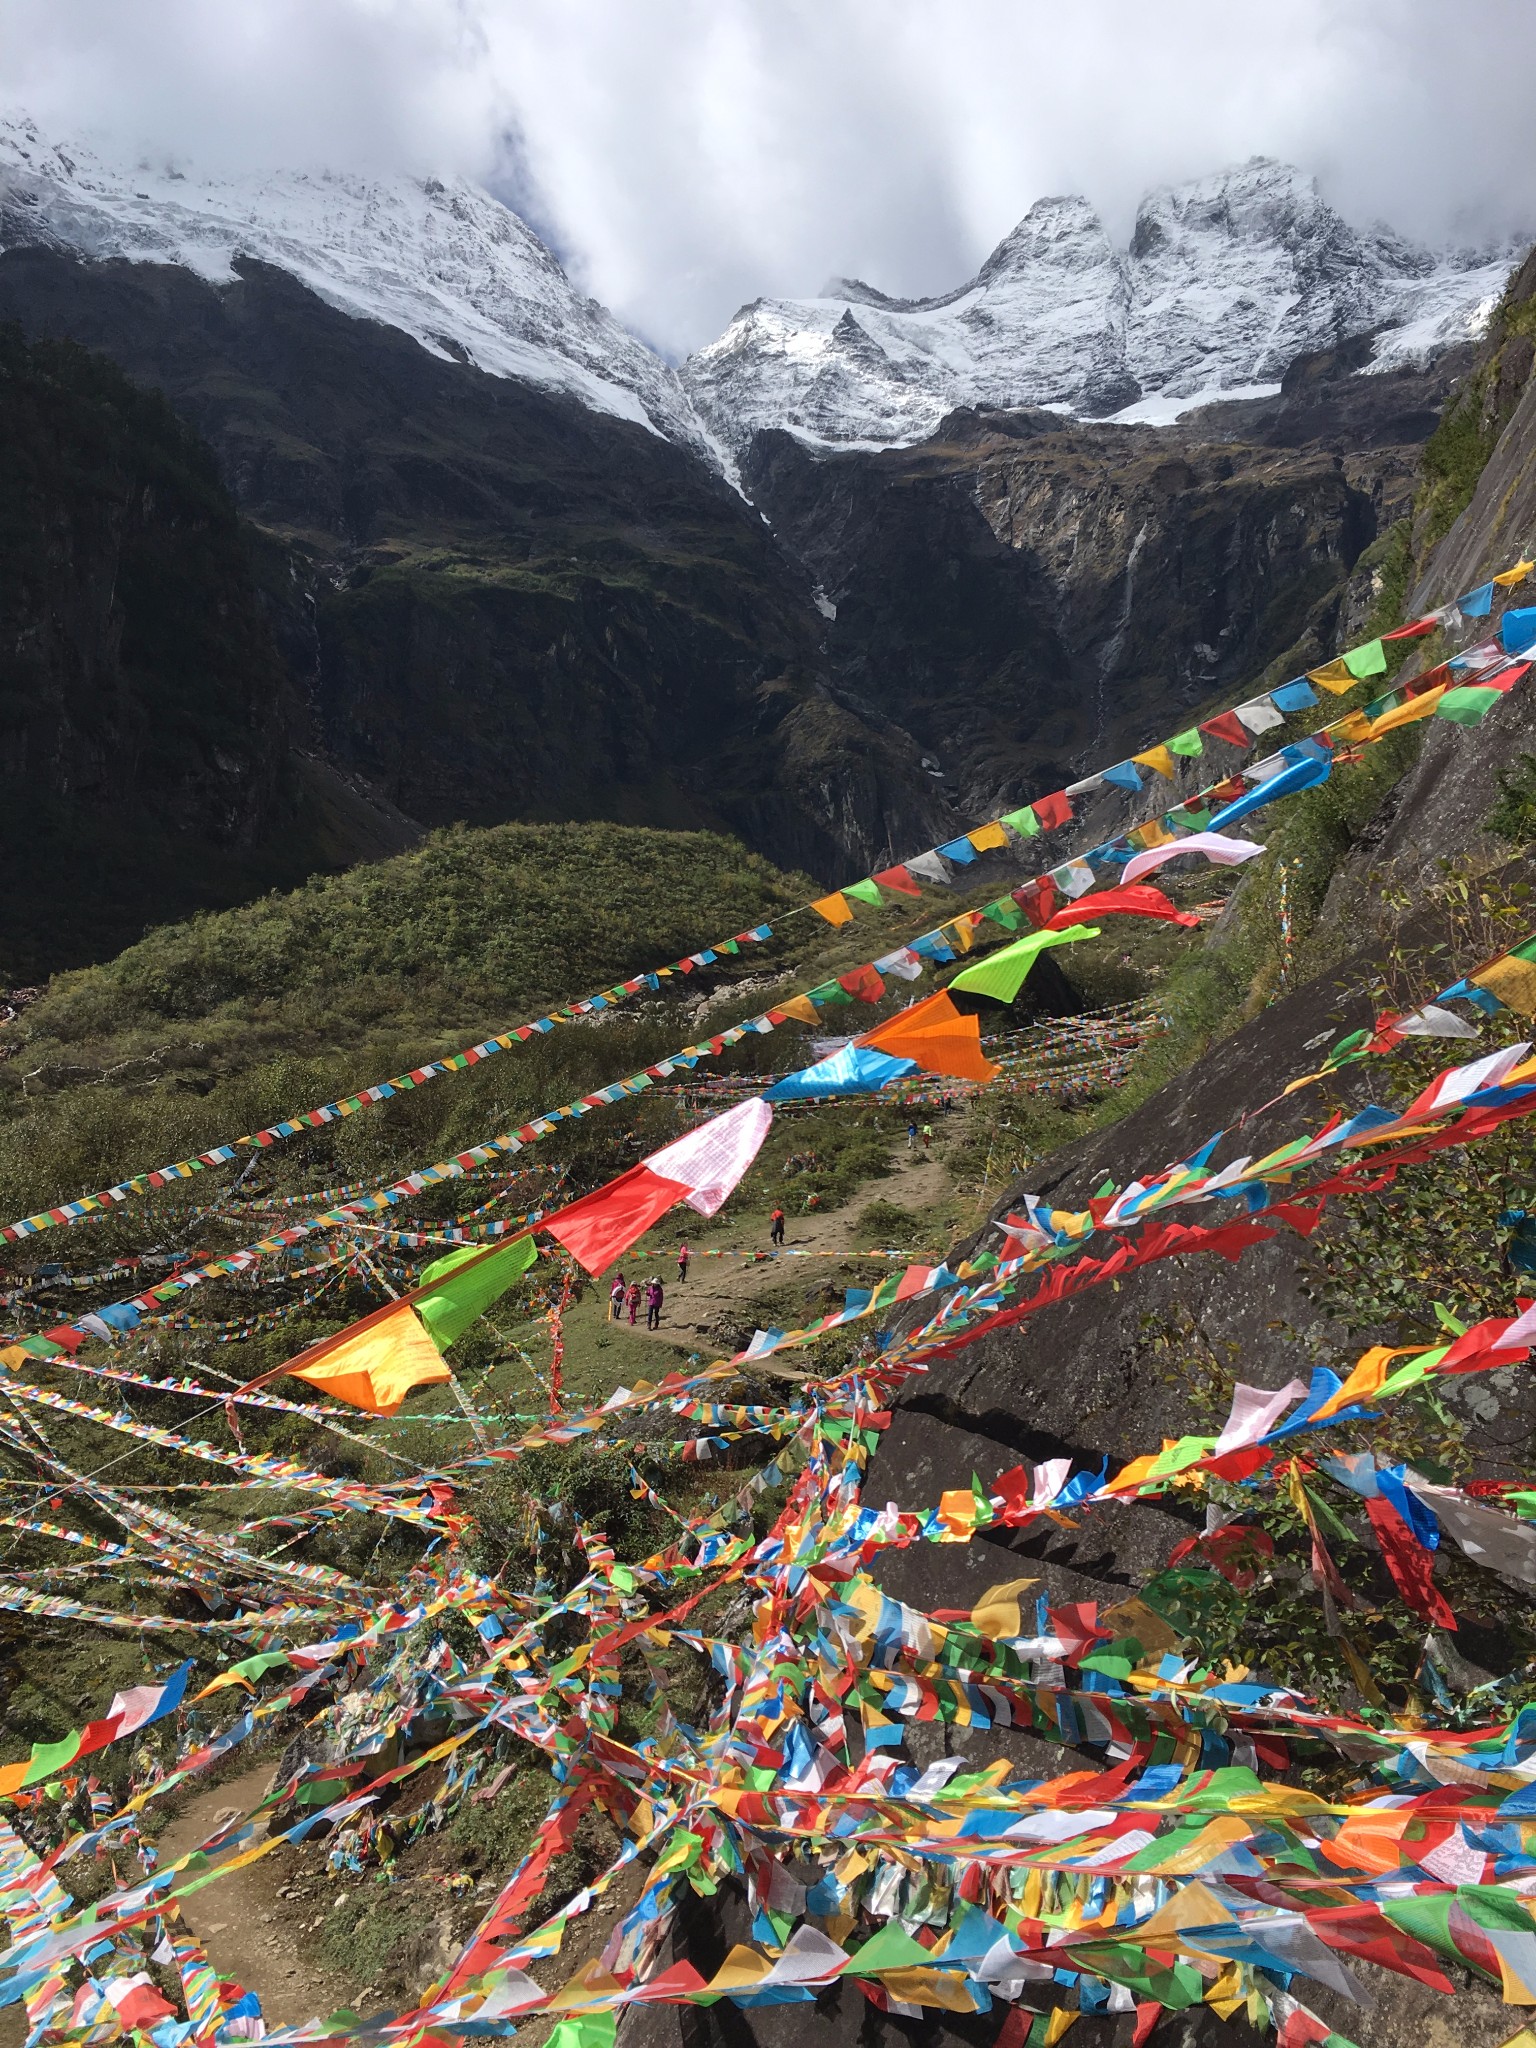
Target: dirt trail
(918,1182)
(249,1931)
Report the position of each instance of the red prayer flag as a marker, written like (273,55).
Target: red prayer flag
(1139,900)
(864,983)
(1409,1563)
(897,878)
(1415,631)
(1053,810)
(1226,725)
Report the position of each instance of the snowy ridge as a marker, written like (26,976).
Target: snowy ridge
(1227,279)
(439,259)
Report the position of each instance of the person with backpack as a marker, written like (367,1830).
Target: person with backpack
(653,1300)
(776,1227)
(683,1256)
(912,1136)
(616,1299)
(632,1301)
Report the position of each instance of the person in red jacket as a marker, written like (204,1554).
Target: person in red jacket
(683,1256)
(776,1227)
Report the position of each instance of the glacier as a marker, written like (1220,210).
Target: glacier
(1227,279)
(439,258)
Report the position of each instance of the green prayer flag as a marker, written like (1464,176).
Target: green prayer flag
(1369,660)
(52,1756)
(585,2030)
(865,892)
(1004,973)
(829,992)
(1187,742)
(1004,912)
(1024,822)
(892,1948)
(457,1298)
(1469,705)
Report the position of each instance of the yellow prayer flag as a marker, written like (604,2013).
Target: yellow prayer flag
(1152,833)
(1156,757)
(378,1367)
(834,908)
(1507,578)
(1513,981)
(996,1613)
(1057,2022)
(1335,676)
(1370,1370)
(801,1007)
(1409,713)
(987,838)
(1353,726)
(916,1985)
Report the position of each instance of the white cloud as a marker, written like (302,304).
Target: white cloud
(686,155)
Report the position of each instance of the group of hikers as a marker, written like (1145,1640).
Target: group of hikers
(626,1298)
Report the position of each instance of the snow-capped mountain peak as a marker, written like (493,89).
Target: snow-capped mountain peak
(1226,280)
(438,258)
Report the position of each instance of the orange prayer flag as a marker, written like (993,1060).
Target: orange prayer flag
(377,1366)
(938,1036)
(834,908)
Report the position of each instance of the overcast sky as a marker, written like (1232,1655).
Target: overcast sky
(687,155)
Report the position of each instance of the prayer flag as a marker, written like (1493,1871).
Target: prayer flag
(1004,973)
(833,908)
(1512,978)
(986,838)
(898,880)
(700,1169)
(864,892)
(1228,726)
(1131,902)
(1189,744)
(1158,758)
(936,1037)
(1517,630)
(1215,846)
(1369,659)
(1261,715)
(450,1298)
(1024,822)
(1053,811)
(387,1357)
(1336,676)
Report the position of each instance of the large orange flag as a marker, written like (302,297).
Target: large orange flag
(935,1035)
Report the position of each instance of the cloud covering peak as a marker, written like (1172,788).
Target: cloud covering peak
(686,156)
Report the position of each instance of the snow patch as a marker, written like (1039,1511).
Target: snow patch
(437,258)
(1226,281)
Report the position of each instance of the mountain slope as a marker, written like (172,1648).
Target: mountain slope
(495,601)
(1226,280)
(146,715)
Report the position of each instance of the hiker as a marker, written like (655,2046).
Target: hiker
(632,1301)
(946,1102)
(776,1227)
(683,1256)
(616,1299)
(927,1136)
(912,1136)
(653,1300)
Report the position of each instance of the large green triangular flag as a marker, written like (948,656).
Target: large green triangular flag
(866,892)
(1024,822)
(457,1298)
(1003,975)
(1187,742)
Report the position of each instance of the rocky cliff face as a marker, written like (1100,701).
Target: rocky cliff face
(498,602)
(1226,281)
(146,764)
(1027,596)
